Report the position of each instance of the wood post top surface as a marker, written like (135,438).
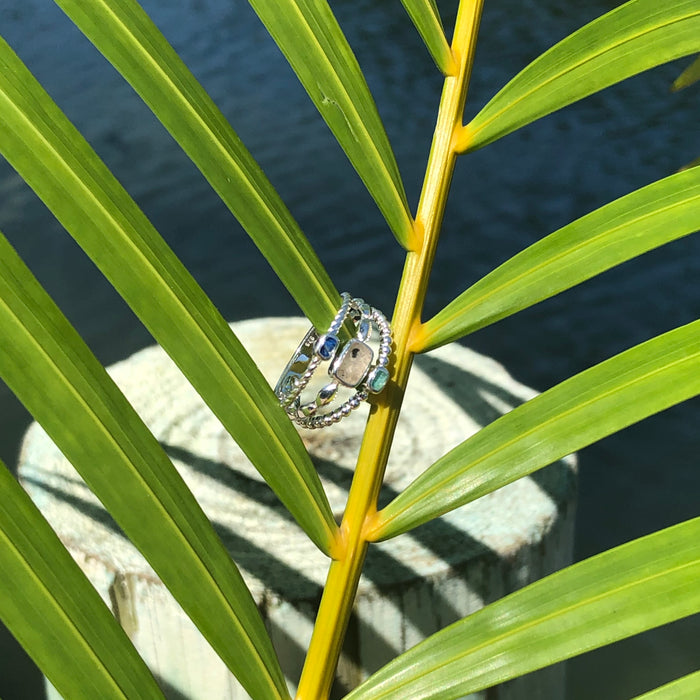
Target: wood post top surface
(452,392)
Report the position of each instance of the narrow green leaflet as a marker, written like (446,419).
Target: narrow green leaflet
(632,38)
(686,688)
(57,163)
(629,226)
(51,370)
(640,585)
(689,76)
(425,15)
(123,32)
(309,36)
(597,402)
(56,614)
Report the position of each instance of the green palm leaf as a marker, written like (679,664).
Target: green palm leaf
(65,172)
(629,226)
(425,16)
(686,688)
(689,76)
(630,39)
(56,614)
(309,36)
(597,402)
(54,374)
(123,32)
(624,591)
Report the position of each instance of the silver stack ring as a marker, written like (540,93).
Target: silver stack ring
(351,364)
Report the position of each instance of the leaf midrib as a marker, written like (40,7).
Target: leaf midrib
(574,67)
(62,612)
(213,137)
(252,405)
(531,271)
(351,104)
(541,426)
(110,436)
(522,628)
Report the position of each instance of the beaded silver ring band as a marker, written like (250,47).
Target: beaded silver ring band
(351,364)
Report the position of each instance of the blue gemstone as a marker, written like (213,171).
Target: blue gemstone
(364,329)
(327,346)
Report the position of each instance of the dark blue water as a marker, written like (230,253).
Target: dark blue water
(503,198)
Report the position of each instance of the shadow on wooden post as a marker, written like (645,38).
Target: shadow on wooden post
(412,585)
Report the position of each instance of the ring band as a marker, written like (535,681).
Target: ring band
(351,364)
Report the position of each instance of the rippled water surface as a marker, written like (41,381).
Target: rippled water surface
(503,198)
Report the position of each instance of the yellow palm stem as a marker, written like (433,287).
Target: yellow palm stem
(349,552)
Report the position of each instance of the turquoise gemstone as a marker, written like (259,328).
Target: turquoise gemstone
(377,379)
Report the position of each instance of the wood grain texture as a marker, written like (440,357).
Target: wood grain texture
(412,586)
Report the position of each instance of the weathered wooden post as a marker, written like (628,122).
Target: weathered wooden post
(413,585)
